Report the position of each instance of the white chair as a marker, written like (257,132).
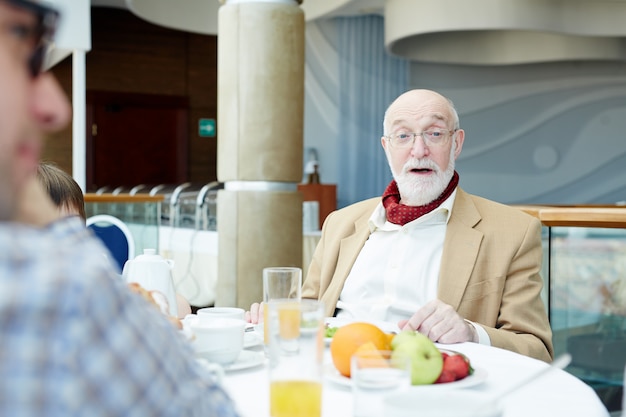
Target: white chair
(115,235)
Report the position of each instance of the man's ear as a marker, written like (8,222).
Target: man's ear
(384,143)
(459,138)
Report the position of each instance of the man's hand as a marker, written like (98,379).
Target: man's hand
(255,314)
(441,323)
(35,207)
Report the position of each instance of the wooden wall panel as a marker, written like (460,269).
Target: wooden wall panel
(133,56)
(202,72)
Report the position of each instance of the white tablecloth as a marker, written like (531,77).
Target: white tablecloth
(557,393)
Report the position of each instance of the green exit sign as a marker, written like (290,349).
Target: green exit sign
(206,128)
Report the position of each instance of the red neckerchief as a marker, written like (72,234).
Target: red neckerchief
(401,214)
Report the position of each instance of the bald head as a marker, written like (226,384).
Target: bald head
(420,102)
(424,168)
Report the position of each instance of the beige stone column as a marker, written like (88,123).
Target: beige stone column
(260,122)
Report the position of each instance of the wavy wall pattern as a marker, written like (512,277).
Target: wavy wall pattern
(550,133)
(541,141)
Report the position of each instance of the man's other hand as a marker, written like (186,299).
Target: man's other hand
(441,323)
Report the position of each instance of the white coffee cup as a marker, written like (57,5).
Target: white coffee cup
(218,339)
(225,312)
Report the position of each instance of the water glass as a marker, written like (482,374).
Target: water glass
(375,375)
(296,352)
(279,283)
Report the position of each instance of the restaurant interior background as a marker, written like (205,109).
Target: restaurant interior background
(542,100)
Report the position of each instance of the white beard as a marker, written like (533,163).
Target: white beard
(416,190)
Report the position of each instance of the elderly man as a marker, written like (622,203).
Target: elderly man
(74,340)
(451,265)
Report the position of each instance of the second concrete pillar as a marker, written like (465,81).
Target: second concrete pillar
(260,125)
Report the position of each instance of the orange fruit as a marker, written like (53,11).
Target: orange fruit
(349,338)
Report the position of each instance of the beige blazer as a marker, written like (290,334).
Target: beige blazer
(490,268)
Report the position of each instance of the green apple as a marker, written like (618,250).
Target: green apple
(426,359)
(402,337)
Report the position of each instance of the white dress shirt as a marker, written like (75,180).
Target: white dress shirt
(407,258)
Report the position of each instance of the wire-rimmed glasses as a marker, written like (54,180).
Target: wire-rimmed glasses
(431,137)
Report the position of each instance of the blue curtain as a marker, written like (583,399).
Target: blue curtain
(370,79)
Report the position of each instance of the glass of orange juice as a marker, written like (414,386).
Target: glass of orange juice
(279,283)
(296,351)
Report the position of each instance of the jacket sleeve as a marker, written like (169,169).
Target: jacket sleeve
(522,324)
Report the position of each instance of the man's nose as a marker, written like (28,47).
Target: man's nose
(50,106)
(419,148)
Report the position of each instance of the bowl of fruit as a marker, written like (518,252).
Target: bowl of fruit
(430,365)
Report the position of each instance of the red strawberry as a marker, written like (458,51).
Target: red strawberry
(445,376)
(458,365)
(444,355)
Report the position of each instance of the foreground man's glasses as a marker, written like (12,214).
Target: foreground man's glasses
(46,18)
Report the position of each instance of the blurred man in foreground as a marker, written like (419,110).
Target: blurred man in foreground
(74,340)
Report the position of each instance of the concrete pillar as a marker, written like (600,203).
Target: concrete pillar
(260,124)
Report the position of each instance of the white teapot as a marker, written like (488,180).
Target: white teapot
(154,273)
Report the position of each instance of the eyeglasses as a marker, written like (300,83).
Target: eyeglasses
(432,137)
(42,33)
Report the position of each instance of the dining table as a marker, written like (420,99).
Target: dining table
(552,394)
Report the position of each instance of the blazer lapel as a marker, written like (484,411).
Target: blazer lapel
(460,250)
(349,249)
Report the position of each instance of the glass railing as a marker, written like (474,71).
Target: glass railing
(141,213)
(585,273)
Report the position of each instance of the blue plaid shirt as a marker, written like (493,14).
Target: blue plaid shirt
(76,342)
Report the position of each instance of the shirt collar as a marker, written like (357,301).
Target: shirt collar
(378,219)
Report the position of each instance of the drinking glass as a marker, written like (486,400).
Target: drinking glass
(279,283)
(375,375)
(296,351)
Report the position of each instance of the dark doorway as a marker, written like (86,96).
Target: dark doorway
(135,139)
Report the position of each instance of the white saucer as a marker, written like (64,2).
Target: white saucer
(478,377)
(247,359)
(251,339)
